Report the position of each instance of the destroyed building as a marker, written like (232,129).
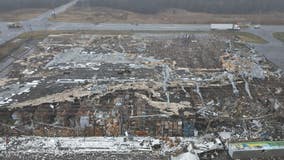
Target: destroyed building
(143,84)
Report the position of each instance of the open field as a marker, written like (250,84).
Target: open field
(18,10)
(20,14)
(279,36)
(16,43)
(250,38)
(176,16)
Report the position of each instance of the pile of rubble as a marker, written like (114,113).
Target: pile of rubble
(158,85)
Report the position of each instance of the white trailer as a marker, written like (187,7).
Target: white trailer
(225,27)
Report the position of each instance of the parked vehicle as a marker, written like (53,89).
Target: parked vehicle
(15,25)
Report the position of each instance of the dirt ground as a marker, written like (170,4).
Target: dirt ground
(101,14)
(20,14)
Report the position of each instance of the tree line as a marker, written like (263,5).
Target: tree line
(210,6)
(6,5)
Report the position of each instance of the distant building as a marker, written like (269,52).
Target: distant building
(225,27)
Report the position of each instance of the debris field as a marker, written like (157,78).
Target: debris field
(144,84)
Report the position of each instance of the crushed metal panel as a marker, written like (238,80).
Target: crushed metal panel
(262,149)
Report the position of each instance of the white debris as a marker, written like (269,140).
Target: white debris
(277,104)
(84,121)
(16,89)
(27,72)
(231,78)
(278,90)
(5,101)
(186,156)
(61,145)
(76,58)
(257,72)
(166,75)
(247,88)
(197,90)
(51,106)
(257,123)
(225,135)
(73,81)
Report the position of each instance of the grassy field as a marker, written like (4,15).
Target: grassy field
(12,45)
(279,36)
(178,16)
(7,48)
(20,14)
(250,38)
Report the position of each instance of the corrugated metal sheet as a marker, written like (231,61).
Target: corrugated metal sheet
(263,149)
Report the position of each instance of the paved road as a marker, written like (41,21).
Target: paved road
(128,27)
(39,23)
(274,50)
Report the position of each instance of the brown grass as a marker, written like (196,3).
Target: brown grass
(16,43)
(101,14)
(20,14)
(250,38)
(7,48)
(279,36)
